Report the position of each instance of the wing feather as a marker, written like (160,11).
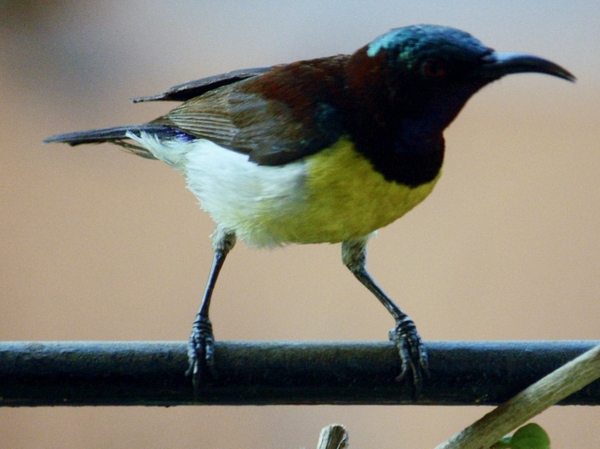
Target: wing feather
(286,113)
(195,88)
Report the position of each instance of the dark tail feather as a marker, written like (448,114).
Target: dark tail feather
(116,135)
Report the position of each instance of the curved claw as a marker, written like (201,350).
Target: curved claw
(413,355)
(201,351)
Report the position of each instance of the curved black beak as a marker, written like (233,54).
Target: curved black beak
(497,65)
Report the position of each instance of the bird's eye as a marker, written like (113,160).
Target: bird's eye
(433,68)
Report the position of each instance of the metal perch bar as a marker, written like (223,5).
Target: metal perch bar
(250,373)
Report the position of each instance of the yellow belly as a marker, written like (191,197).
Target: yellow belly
(331,196)
(343,198)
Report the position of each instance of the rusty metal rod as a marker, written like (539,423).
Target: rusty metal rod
(250,373)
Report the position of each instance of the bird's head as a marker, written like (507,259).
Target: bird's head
(418,78)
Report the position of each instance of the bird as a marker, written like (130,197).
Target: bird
(327,150)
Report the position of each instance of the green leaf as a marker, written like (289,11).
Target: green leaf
(530,436)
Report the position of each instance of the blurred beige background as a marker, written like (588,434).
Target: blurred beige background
(97,244)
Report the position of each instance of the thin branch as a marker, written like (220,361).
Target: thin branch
(533,400)
(333,436)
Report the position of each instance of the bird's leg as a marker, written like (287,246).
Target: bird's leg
(201,344)
(412,352)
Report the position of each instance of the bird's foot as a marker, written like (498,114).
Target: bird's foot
(201,352)
(413,355)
